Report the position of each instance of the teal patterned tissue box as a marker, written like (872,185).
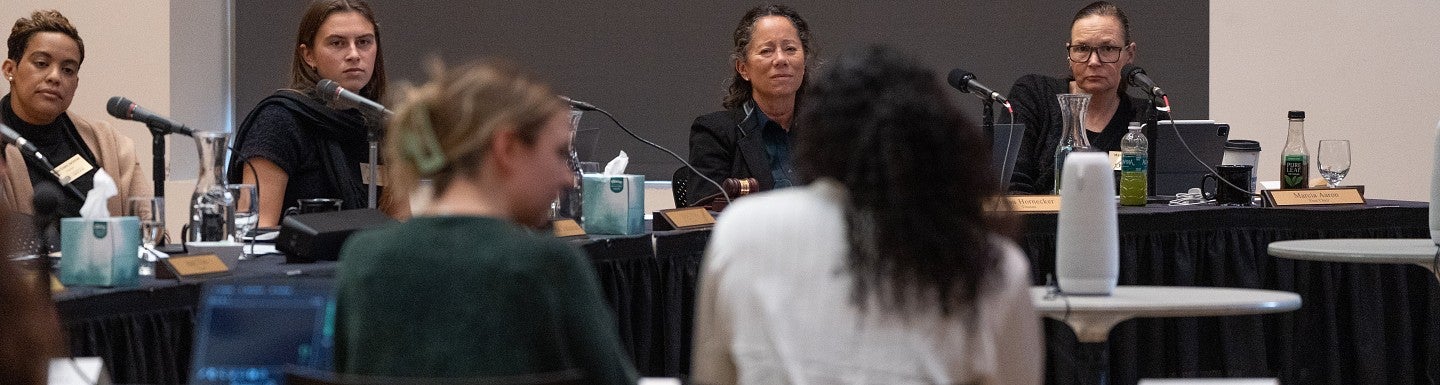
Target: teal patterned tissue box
(613,204)
(100,252)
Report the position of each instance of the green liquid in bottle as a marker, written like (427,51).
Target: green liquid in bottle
(1132,188)
(1134,166)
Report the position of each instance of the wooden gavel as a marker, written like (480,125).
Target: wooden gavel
(735,187)
(740,187)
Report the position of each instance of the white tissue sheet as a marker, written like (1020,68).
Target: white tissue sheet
(617,165)
(95,200)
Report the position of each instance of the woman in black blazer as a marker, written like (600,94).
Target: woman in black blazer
(751,137)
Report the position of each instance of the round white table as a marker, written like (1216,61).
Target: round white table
(1421,252)
(1092,316)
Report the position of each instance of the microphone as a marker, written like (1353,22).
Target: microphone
(579,105)
(27,149)
(123,108)
(965,82)
(330,90)
(46,201)
(12,137)
(1136,77)
(46,205)
(583,106)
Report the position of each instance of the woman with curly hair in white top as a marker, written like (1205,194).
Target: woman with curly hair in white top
(886,267)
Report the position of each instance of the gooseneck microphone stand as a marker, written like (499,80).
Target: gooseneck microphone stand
(988,123)
(1150,118)
(46,203)
(47,266)
(157,161)
(374,165)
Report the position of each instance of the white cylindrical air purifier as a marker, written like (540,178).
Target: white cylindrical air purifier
(1087,249)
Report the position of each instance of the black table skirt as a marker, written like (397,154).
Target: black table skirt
(1359,324)
(651,287)
(145,333)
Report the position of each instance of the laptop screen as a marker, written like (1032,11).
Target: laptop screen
(248,330)
(1004,148)
(1175,170)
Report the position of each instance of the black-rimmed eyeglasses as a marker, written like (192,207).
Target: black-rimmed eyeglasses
(1081,53)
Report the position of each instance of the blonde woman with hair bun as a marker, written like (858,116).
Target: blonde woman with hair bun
(467,288)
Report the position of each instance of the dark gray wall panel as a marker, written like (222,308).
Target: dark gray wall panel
(658,65)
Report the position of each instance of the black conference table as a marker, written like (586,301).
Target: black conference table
(145,333)
(1358,323)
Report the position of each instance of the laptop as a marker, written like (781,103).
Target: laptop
(248,330)
(1004,148)
(1174,169)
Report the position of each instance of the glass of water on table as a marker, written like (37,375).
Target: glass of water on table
(247,211)
(151,212)
(1333,161)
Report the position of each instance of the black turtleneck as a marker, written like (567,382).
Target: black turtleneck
(58,141)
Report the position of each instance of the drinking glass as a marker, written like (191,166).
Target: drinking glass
(247,209)
(1333,160)
(151,212)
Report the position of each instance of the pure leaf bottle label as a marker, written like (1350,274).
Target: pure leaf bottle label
(1294,172)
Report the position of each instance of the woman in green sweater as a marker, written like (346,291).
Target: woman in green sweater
(466,288)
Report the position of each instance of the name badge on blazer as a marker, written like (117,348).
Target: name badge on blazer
(72,169)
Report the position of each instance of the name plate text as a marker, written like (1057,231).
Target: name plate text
(1033,203)
(1315,197)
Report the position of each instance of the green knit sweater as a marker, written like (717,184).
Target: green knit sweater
(469,297)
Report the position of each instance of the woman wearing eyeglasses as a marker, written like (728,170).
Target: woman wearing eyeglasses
(1099,47)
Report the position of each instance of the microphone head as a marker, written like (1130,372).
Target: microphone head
(960,79)
(119,107)
(1129,72)
(329,89)
(7,133)
(47,198)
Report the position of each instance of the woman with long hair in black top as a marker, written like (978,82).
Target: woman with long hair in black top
(294,145)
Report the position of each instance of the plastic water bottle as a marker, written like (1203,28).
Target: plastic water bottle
(1294,159)
(1134,165)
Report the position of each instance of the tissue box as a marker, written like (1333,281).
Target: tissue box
(613,204)
(100,252)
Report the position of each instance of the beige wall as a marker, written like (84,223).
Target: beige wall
(1362,71)
(127,53)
